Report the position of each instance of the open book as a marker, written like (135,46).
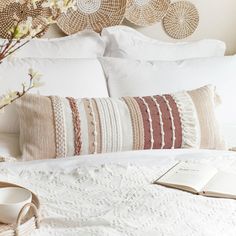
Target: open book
(200,179)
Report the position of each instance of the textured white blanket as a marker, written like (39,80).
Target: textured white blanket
(112,195)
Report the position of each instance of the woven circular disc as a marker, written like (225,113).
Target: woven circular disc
(12,11)
(181,20)
(92,14)
(146,12)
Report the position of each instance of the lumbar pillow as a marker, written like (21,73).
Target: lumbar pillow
(52,127)
(125,42)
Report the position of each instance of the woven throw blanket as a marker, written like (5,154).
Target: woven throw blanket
(118,199)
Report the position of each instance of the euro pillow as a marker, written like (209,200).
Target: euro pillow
(126,77)
(52,127)
(64,77)
(81,45)
(125,42)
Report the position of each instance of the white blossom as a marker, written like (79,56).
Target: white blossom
(36,78)
(7,98)
(26,29)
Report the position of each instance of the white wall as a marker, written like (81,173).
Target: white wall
(217,20)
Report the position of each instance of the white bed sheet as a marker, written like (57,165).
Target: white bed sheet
(112,194)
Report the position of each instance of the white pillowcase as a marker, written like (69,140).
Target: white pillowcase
(125,42)
(126,77)
(63,77)
(81,45)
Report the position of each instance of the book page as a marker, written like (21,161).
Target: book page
(188,176)
(223,184)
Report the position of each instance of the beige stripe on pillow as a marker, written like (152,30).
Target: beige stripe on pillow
(210,132)
(69,129)
(37,136)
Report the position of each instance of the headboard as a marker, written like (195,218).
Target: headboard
(217,20)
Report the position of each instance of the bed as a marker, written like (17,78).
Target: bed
(113,194)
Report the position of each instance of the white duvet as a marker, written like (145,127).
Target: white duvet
(112,194)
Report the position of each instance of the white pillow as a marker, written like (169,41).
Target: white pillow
(81,45)
(126,77)
(63,77)
(125,42)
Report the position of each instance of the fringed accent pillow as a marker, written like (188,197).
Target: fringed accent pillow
(53,127)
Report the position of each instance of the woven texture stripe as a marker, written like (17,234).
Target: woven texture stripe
(137,123)
(92,128)
(176,122)
(76,122)
(60,132)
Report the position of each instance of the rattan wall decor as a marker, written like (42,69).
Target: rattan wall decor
(12,11)
(181,20)
(92,14)
(146,12)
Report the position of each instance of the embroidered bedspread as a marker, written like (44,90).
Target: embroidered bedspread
(112,195)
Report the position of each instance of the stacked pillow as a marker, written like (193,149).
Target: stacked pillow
(67,73)
(150,66)
(69,67)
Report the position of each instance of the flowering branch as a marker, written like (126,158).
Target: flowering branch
(11,47)
(24,31)
(12,96)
